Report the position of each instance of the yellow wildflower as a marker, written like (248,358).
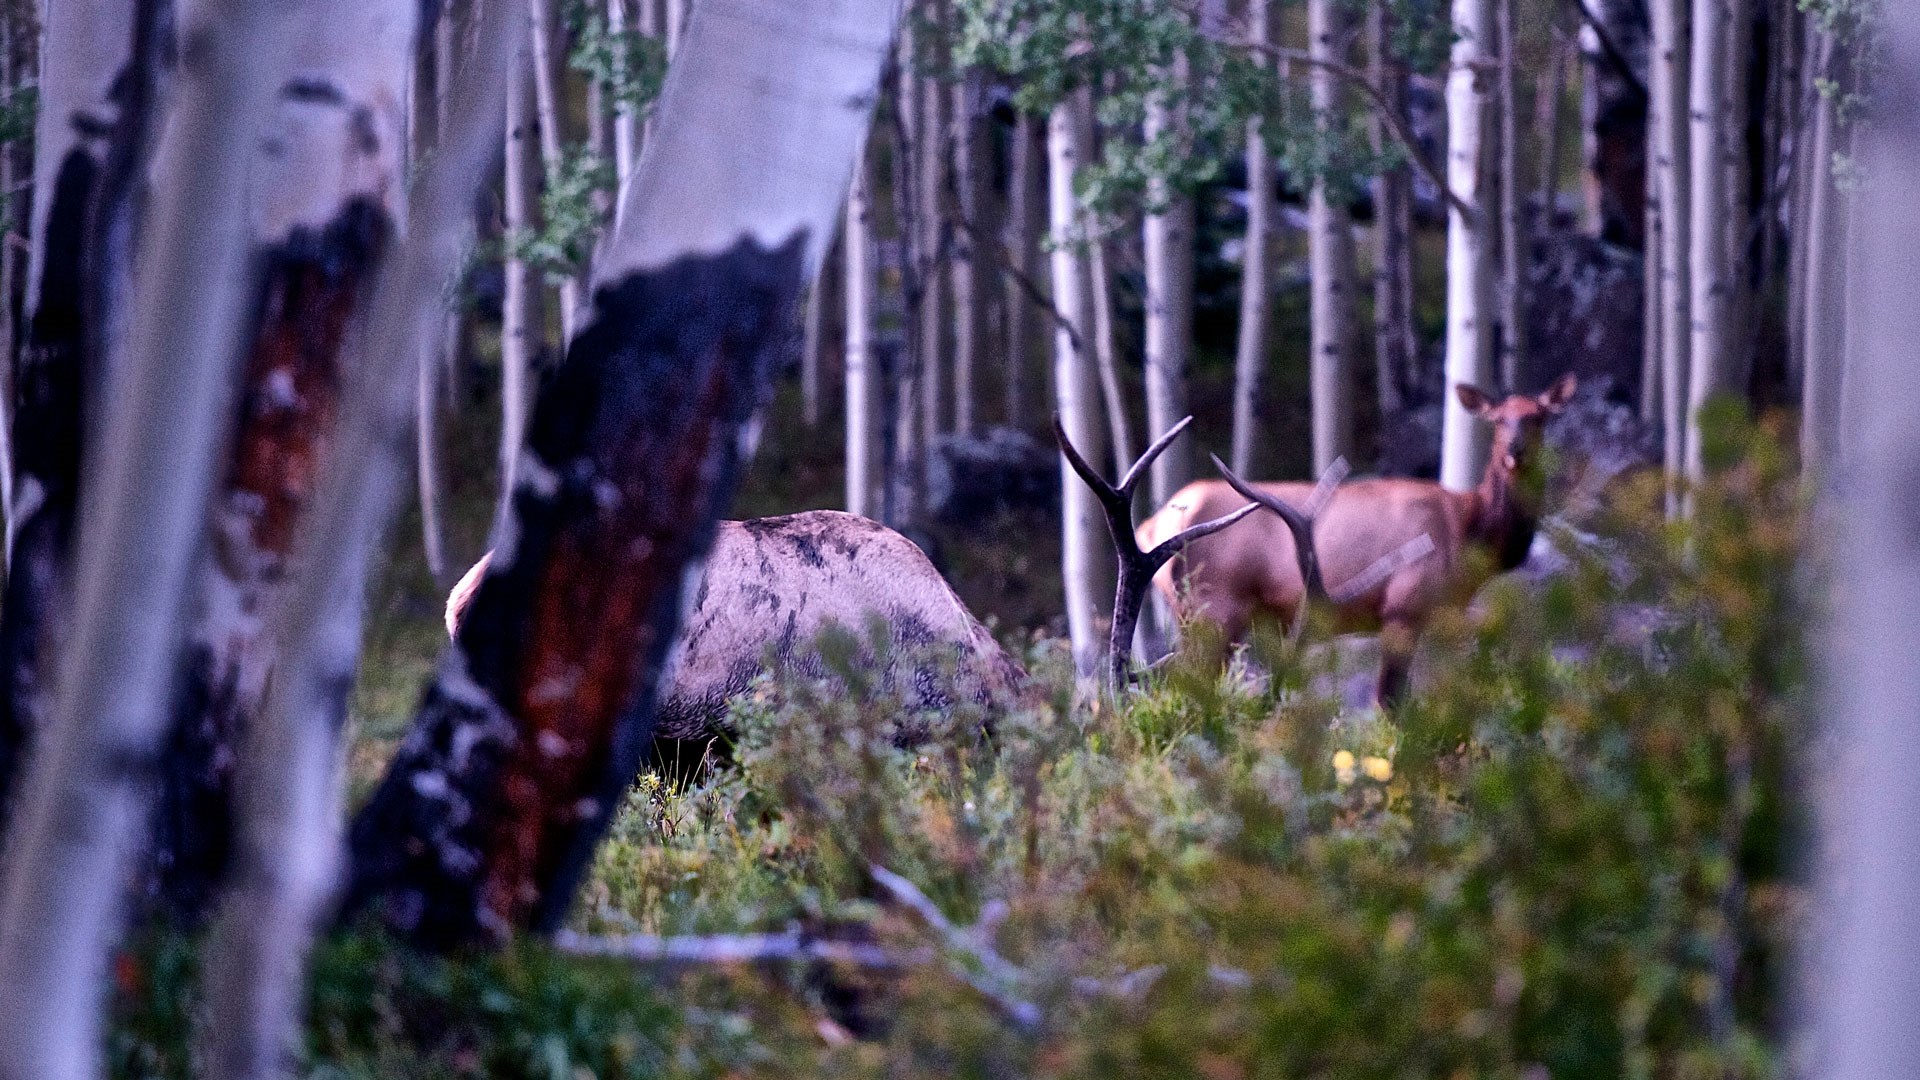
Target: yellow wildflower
(1378,769)
(1343,766)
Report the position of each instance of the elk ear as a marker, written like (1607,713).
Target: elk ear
(1473,399)
(1561,392)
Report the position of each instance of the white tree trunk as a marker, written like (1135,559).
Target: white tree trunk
(1670,166)
(519,328)
(1168,237)
(929,217)
(973,264)
(84,800)
(863,369)
(1256,302)
(1867,968)
(546,95)
(1514,246)
(290,786)
(1711,145)
(1395,343)
(1083,540)
(1330,255)
(1823,285)
(1470,262)
(626,126)
(1026,220)
(813,344)
(1105,353)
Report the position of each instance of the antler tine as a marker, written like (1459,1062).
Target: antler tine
(1383,568)
(1109,495)
(1173,545)
(1299,524)
(1146,459)
(1323,491)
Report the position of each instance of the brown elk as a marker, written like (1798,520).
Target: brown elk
(773,585)
(1253,570)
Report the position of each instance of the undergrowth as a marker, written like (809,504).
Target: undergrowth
(1567,856)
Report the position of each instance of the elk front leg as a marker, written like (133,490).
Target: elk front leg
(1397,640)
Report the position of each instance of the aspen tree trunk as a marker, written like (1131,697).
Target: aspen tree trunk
(547,103)
(328,202)
(1670,166)
(903,474)
(9,326)
(813,345)
(84,803)
(930,159)
(290,785)
(675,24)
(453,339)
(519,326)
(1653,313)
(1470,262)
(1870,865)
(1395,344)
(972,264)
(1105,353)
(428,104)
(1514,246)
(1330,255)
(83,200)
(1082,538)
(1168,239)
(626,127)
(1614,105)
(1825,284)
(543,705)
(1712,146)
(863,377)
(1256,286)
(1026,221)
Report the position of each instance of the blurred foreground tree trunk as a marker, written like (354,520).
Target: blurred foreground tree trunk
(328,199)
(1868,967)
(289,790)
(81,221)
(86,795)
(543,705)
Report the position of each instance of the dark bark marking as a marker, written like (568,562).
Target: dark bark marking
(636,443)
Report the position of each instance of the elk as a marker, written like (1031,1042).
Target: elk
(773,585)
(1261,569)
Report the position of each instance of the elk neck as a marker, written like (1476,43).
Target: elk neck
(1501,521)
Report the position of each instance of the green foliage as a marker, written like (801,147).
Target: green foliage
(1565,856)
(629,66)
(569,220)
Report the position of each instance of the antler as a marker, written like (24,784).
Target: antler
(1137,567)
(1307,552)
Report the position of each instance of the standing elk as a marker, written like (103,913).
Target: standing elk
(1257,569)
(773,585)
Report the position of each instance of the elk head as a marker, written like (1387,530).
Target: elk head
(1519,424)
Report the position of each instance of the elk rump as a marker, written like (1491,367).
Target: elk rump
(772,587)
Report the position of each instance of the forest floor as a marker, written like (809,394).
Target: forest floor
(1565,857)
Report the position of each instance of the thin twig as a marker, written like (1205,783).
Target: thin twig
(1614,56)
(1387,113)
(1002,977)
(788,948)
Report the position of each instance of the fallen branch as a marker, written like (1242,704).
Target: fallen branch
(1001,977)
(792,947)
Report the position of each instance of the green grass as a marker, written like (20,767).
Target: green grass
(1538,864)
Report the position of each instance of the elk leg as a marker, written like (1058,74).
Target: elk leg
(1397,640)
